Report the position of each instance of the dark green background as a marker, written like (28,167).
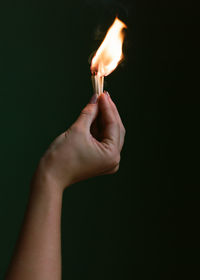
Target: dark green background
(141,223)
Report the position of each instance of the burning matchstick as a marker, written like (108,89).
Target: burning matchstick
(97,83)
(108,56)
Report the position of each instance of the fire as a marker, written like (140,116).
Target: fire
(109,54)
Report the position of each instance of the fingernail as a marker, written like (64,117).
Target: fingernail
(94,99)
(106,93)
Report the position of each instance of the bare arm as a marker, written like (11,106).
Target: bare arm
(90,147)
(37,255)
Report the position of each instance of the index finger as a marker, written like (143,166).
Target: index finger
(122,129)
(111,129)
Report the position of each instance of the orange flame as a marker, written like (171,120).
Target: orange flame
(109,54)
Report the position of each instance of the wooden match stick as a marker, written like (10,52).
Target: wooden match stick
(97,83)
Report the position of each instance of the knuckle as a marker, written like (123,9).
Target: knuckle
(123,130)
(115,169)
(86,111)
(111,121)
(75,129)
(114,159)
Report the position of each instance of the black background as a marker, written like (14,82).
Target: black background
(141,223)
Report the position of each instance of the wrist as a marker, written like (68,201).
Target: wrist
(43,182)
(49,170)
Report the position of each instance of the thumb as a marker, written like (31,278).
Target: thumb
(89,113)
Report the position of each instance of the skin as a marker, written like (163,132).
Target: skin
(90,147)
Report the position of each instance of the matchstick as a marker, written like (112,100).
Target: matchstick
(97,83)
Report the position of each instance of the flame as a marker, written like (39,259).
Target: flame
(109,54)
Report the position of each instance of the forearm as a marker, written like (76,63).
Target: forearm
(38,252)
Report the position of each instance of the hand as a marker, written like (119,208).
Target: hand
(90,147)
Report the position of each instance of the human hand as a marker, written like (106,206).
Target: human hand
(90,147)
